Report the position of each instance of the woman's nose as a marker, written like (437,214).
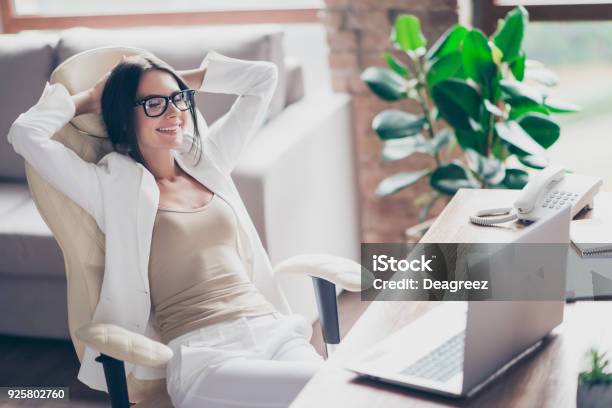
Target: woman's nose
(172,110)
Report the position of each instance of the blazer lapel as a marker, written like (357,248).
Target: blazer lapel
(148,201)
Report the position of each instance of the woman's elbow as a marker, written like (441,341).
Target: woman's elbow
(269,77)
(271,71)
(16,133)
(263,77)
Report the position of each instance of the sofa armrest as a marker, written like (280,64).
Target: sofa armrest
(295,80)
(124,345)
(298,181)
(298,178)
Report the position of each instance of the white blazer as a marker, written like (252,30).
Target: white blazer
(122,195)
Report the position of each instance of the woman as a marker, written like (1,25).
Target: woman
(181,250)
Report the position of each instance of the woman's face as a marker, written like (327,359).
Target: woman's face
(164,131)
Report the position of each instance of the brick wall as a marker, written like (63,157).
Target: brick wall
(358,33)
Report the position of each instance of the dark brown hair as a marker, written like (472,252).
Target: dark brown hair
(118,99)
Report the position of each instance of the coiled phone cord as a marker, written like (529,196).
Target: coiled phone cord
(494,216)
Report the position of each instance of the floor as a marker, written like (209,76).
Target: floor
(37,362)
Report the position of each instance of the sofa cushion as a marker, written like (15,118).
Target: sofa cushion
(186,47)
(26,60)
(12,195)
(27,247)
(33,307)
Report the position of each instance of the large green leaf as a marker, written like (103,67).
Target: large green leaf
(457,102)
(448,43)
(515,179)
(476,56)
(475,140)
(490,84)
(396,66)
(399,181)
(489,170)
(509,35)
(445,67)
(519,110)
(535,162)
(385,83)
(500,149)
(541,129)
(485,121)
(397,149)
(519,93)
(557,106)
(395,124)
(449,178)
(439,140)
(518,67)
(512,133)
(407,33)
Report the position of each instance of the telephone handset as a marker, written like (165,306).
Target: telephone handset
(548,191)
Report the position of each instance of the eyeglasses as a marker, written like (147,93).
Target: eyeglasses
(156,105)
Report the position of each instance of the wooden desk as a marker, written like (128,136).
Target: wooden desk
(453,225)
(547,378)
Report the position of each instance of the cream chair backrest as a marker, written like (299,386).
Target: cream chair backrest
(78,235)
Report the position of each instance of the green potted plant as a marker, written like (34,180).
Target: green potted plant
(472,93)
(595,385)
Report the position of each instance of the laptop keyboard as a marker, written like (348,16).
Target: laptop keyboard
(441,364)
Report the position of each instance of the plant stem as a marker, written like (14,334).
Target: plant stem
(490,134)
(423,101)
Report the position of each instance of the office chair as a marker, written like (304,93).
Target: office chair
(82,244)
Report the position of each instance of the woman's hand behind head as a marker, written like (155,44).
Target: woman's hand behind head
(96,93)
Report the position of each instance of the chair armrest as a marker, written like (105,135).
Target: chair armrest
(124,345)
(342,272)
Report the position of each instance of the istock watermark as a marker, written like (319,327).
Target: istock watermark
(463,271)
(383,263)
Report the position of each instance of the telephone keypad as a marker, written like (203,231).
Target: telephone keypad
(557,199)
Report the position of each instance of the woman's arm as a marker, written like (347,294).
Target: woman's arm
(31,135)
(254,82)
(194,77)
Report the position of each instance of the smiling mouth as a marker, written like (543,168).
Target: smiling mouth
(169,130)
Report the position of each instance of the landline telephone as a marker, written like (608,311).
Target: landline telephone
(549,190)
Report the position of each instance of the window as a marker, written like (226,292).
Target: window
(79,7)
(20,15)
(573,38)
(487,12)
(548,2)
(581,54)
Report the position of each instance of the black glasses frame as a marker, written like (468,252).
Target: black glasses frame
(188,97)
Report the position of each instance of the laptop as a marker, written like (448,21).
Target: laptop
(459,347)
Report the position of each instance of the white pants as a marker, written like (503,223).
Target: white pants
(261,361)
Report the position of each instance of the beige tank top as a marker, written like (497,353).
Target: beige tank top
(196,275)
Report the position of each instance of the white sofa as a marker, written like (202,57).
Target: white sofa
(297,177)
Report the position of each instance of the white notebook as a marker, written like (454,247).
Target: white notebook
(592,237)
